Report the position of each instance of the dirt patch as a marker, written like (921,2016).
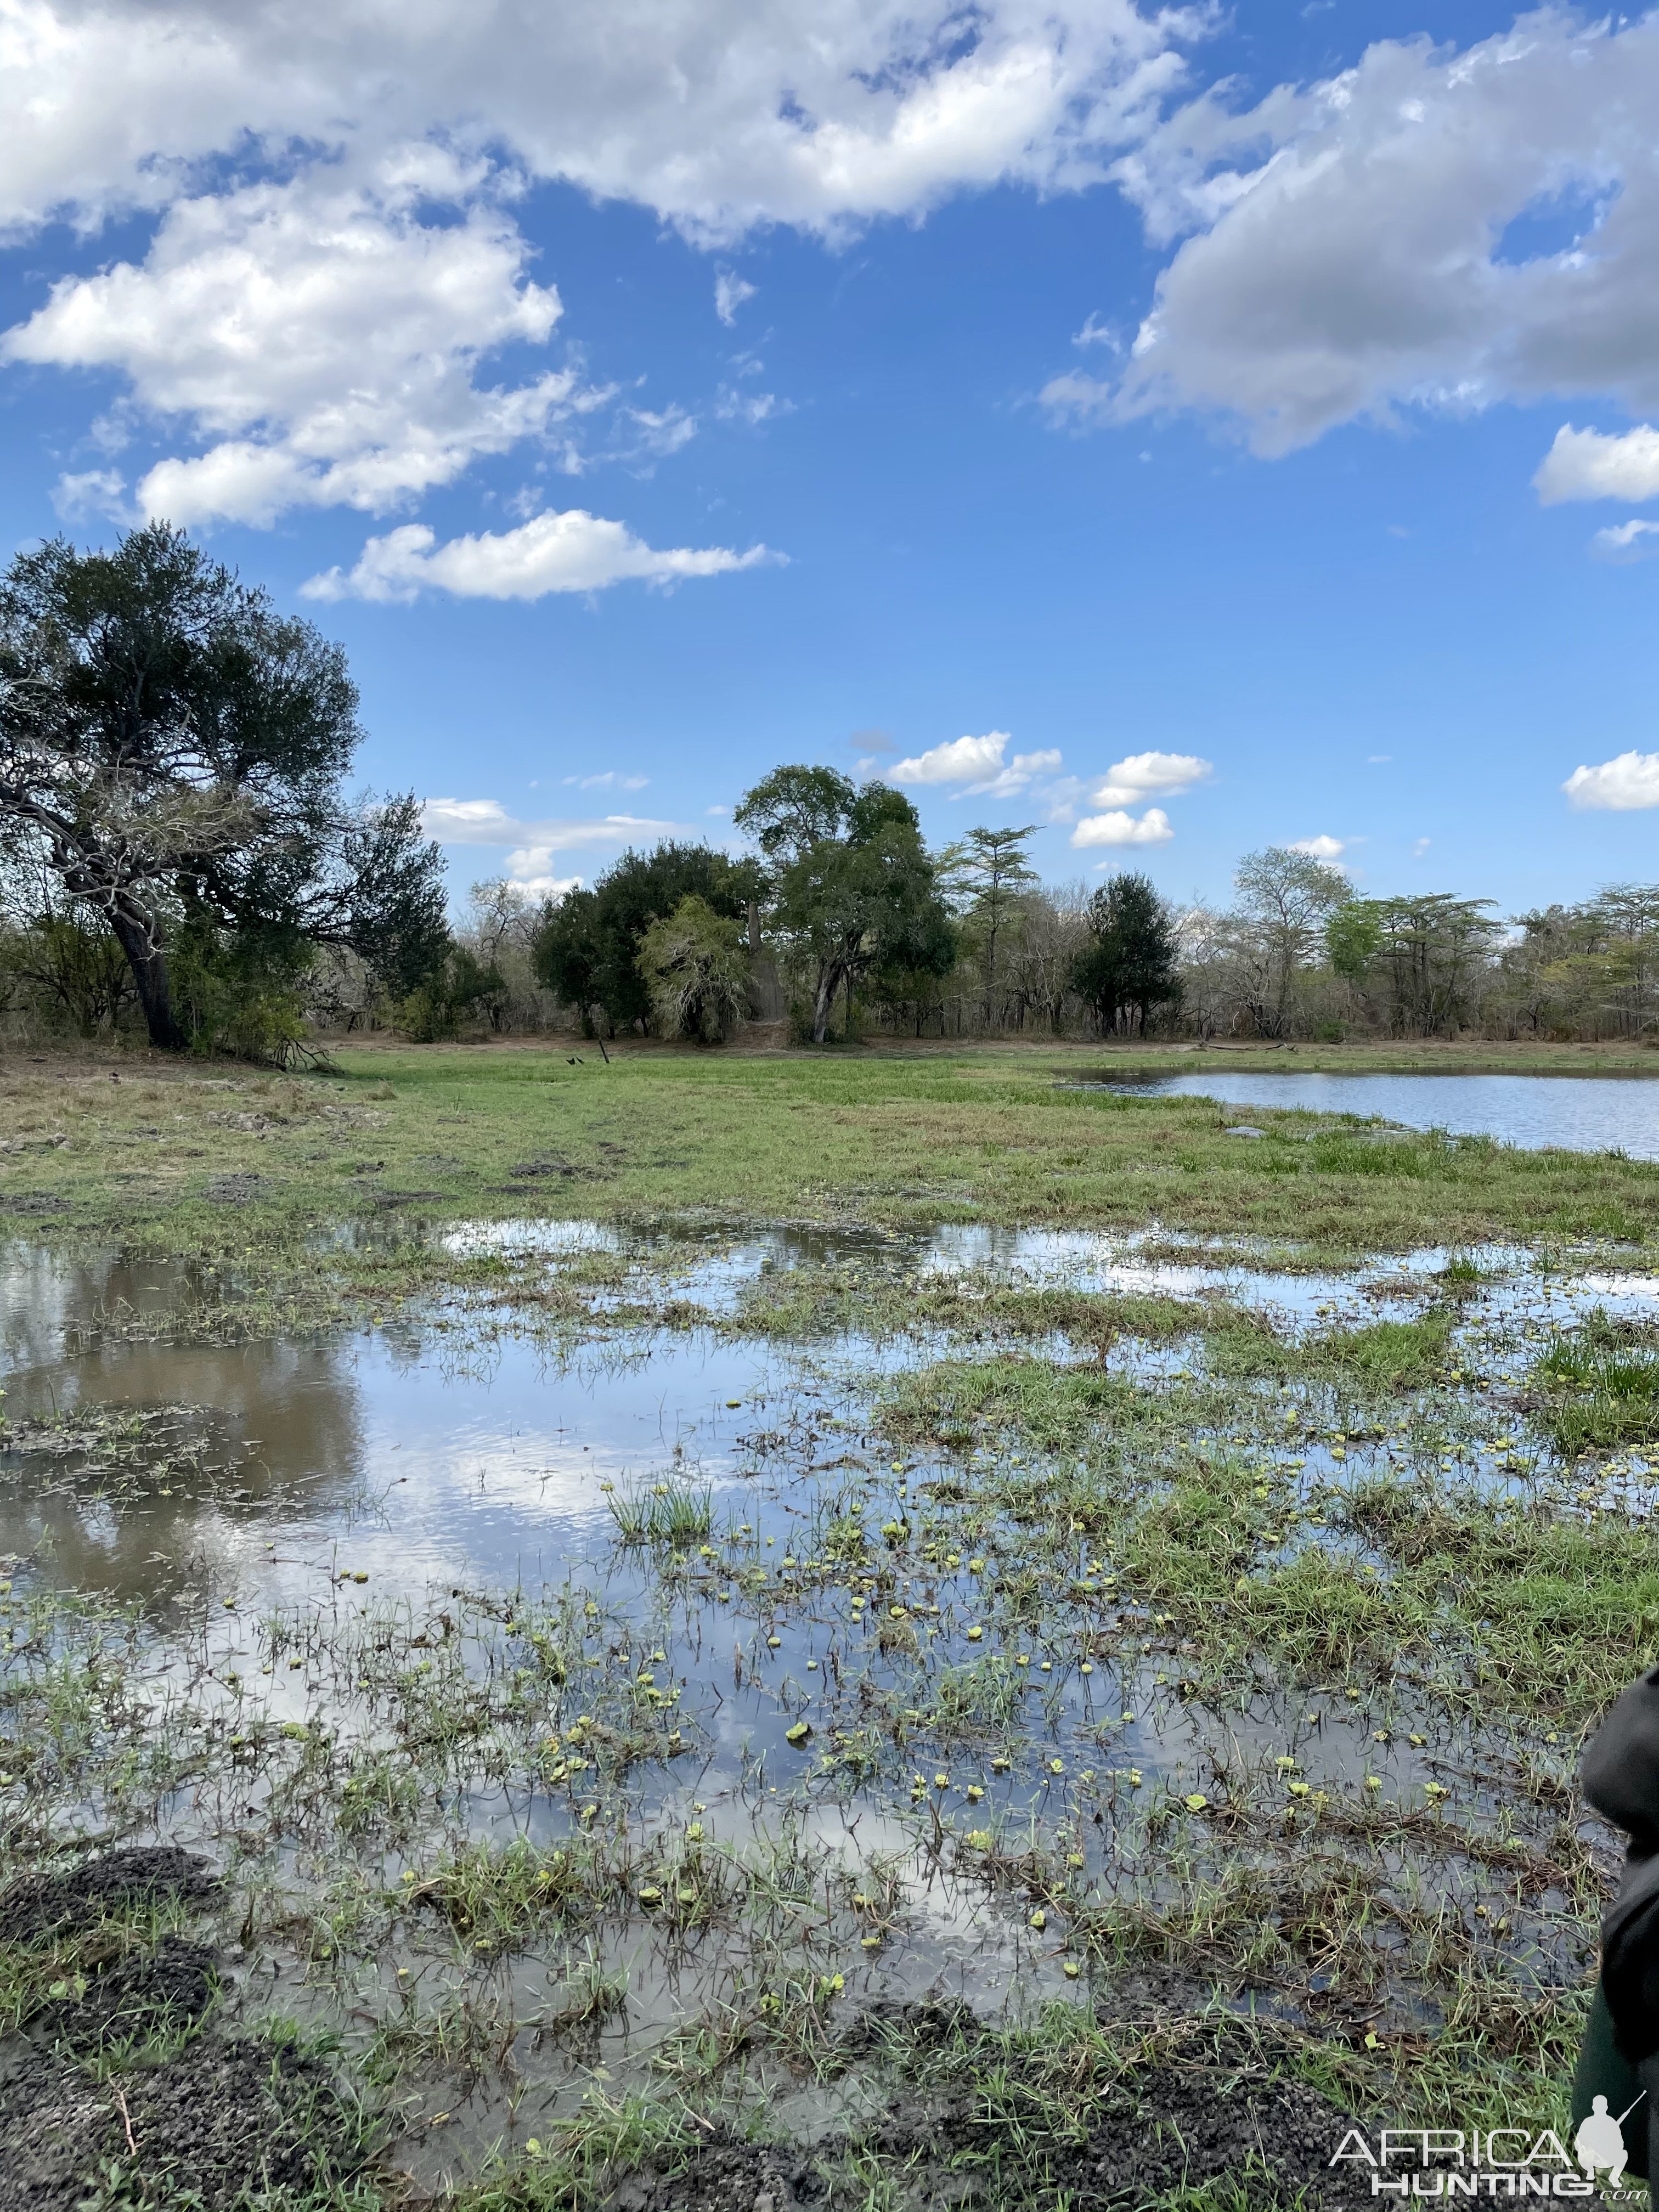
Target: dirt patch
(1166,2128)
(1225,2117)
(44,1906)
(37,1202)
(235,1189)
(726,2177)
(1273,2138)
(144,1997)
(224,2123)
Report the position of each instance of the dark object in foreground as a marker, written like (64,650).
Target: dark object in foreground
(1621,2058)
(72,1897)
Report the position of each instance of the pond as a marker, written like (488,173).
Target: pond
(1577,1113)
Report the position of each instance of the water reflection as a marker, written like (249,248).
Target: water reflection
(345,1521)
(423,1463)
(1579,1112)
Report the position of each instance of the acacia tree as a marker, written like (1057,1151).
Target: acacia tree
(172,749)
(855,888)
(1434,948)
(990,872)
(1285,898)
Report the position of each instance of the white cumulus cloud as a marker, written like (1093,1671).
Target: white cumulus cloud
(717,114)
(324,338)
(549,887)
(1323,847)
(1149,775)
(534,844)
(1118,827)
(572,551)
(1431,228)
(337,256)
(978,764)
(1588,464)
(1621,786)
(961,761)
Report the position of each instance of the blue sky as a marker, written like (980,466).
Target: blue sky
(649,393)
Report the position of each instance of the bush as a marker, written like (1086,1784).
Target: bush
(239,992)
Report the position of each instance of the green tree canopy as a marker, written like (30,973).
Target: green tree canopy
(855,888)
(696,966)
(1127,965)
(990,873)
(1352,933)
(1285,898)
(1430,950)
(587,948)
(173,752)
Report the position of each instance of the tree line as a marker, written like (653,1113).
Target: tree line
(182,854)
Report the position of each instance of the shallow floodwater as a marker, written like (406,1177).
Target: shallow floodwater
(1577,1113)
(299,1505)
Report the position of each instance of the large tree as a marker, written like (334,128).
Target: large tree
(696,964)
(854,888)
(174,750)
(1433,949)
(588,949)
(1128,964)
(1285,899)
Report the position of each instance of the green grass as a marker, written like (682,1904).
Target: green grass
(1602,1391)
(889,1139)
(664,1514)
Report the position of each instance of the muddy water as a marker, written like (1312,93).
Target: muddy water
(502,1463)
(337,1486)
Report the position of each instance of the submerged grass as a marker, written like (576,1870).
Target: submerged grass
(1224,1677)
(1603,1389)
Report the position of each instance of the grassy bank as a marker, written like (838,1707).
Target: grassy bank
(219,1164)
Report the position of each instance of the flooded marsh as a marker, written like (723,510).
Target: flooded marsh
(852,1715)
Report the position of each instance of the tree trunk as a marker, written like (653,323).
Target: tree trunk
(149,973)
(822,999)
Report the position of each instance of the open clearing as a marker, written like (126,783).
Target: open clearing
(865,1631)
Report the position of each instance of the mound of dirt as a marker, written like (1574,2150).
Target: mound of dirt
(725,2176)
(71,1897)
(223,2124)
(1221,2117)
(143,1997)
(1268,2138)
